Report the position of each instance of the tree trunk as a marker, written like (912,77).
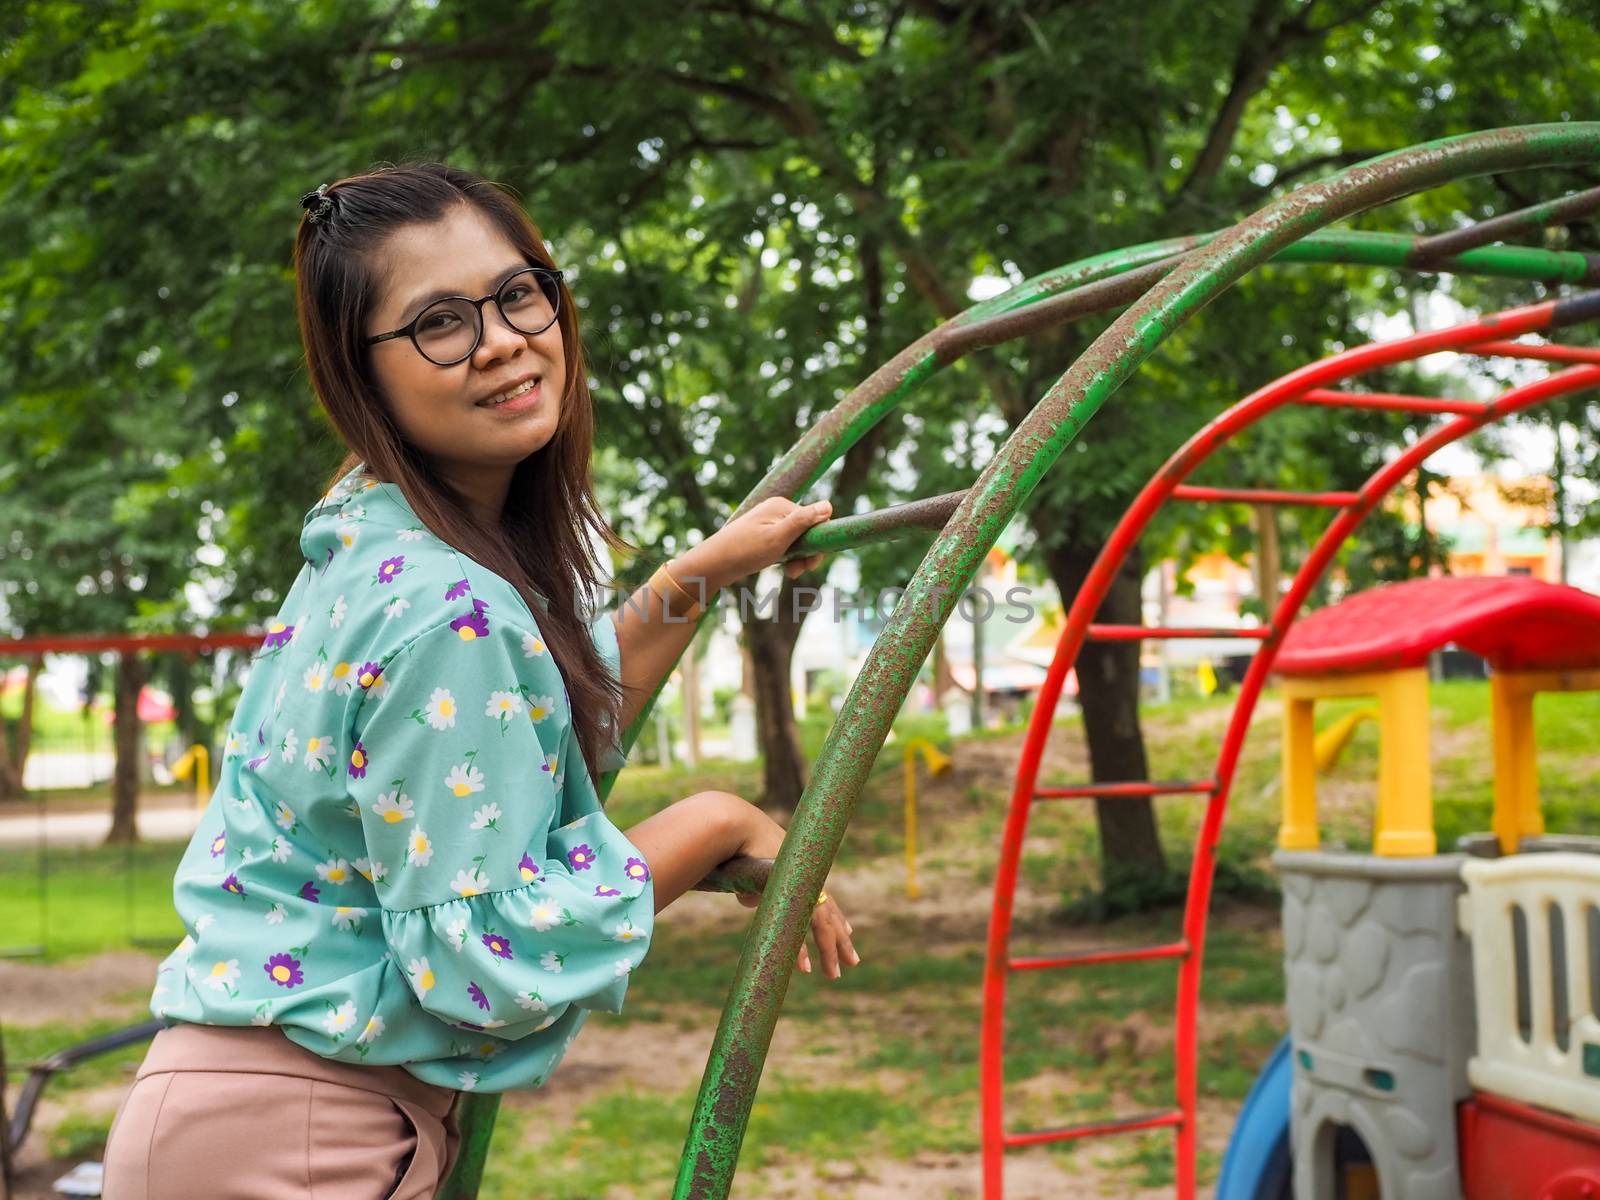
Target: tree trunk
(690,669)
(1108,693)
(771,646)
(125,774)
(16,738)
(1269,559)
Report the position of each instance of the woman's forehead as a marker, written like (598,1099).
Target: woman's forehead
(462,254)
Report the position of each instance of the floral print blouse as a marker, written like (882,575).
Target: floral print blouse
(405,860)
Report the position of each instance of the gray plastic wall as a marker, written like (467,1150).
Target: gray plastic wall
(1379,985)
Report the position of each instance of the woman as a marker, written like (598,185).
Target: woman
(404,886)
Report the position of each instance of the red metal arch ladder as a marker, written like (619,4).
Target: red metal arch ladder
(1313,384)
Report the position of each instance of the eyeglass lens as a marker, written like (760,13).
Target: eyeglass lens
(448,330)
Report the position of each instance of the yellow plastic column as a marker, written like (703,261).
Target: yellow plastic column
(1516,775)
(1404,826)
(1299,828)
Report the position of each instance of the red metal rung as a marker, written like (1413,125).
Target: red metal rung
(1391,401)
(1548,352)
(1093,958)
(1093,791)
(1185,491)
(1139,633)
(1155,1120)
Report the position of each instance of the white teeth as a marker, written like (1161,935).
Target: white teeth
(513,393)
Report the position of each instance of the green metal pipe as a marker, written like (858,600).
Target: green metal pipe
(778,930)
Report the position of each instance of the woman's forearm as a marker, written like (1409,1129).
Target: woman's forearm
(651,637)
(683,842)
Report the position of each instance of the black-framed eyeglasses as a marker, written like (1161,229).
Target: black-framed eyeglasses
(449,330)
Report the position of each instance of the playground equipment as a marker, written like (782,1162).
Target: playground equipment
(938,763)
(1165,283)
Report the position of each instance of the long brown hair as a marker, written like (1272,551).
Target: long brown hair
(540,545)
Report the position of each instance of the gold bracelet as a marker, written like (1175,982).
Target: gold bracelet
(822,899)
(695,609)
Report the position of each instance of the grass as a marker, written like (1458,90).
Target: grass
(91,898)
(887,1062)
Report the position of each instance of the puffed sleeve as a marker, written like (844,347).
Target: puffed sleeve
(500,917)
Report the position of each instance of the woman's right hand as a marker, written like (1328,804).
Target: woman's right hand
(830,929)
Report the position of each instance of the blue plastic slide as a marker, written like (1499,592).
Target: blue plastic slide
(1256,1166)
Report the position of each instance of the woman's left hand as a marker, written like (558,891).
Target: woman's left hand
(758,539)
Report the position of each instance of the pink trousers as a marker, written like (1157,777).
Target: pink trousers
(245,1114)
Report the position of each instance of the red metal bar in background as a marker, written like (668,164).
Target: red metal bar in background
(1323,374)
(97,643)
(1157,633)
(1391,401)
(1095,1129)
(1544,352)
(1091,958)
(1262,496)
(1095,791)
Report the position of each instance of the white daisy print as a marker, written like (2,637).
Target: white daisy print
(533,1002)
(503,705)
(223,975)
(203,922)
(339,1020)
(540,708)
(395,607)
(419,848)
(532,645)
(486,817)
(319,753)
(342,678)
(545,914)
(290,746)
(262,1016)
(316,675)
(551,961)
(467,1080)
(412,535)
(441,710)
(336,613)
(276,914)
(627,932)
(370,869)
(456,932)
(470,882)
(279,850)
(347,535)
(547,1022)
(348,917)
(284,816)
(464,779)
(335,870)
(235,746)
(421,975)
(393,807)
(622,967)
(371,1032)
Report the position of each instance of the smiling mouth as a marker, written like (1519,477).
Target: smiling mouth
(515,393)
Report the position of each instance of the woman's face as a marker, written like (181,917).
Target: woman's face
(447,412)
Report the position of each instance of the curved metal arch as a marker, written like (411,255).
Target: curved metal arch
(1487,336)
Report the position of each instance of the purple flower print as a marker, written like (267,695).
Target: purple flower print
(471,625)
(284,970)
(278,634)
(580,858)
(636,870)
(478,997)
(456,590)
(390,567)
(370,673)
(469,1025)
(601,889)
(218,843)
(497,945)
(358,762)
(232,884)
(528,869)
(308,891)
(479,605)
(255,762)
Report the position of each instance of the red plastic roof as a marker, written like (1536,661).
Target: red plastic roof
(1515,622)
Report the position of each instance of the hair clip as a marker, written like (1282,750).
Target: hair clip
(319,205)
